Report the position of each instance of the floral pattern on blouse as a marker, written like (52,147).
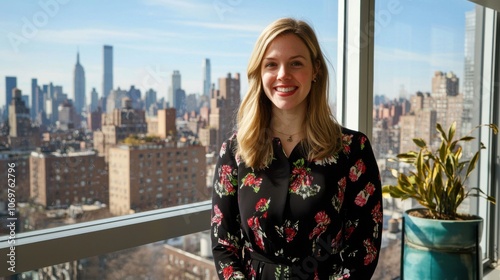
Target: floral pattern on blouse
(288,230)
(251,181)
(296,218)
(301,180)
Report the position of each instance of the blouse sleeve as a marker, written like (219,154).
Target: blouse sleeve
(363,212)
(226,238)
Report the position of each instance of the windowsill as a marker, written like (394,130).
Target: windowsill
(492,274)
(47,247)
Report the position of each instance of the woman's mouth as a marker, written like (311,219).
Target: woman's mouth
(286,90)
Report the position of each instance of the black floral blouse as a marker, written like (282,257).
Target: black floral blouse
(298,219)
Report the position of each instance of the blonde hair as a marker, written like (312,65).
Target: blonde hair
(323,133)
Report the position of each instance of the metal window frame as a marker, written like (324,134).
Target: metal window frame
(355,64)
(355,94)
(487,90)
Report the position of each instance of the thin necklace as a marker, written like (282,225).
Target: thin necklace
(289,139)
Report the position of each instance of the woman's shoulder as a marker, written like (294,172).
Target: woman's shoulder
(351,133)
(230,144)
(231,141)
(353,140)
(348,131)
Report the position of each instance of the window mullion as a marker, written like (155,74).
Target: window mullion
(355,64)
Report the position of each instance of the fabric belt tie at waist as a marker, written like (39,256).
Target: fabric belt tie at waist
(270,259)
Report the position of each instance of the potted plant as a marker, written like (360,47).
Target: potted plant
(438,241)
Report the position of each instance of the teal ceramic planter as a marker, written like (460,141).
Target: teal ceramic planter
(441,249)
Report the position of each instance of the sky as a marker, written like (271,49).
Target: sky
(414,40)
(152,38)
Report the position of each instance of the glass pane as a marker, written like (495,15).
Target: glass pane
(185,257)
(425,64)
(90,130)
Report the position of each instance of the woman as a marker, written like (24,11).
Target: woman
(296,196)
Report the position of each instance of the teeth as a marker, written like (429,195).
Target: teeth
(285,89)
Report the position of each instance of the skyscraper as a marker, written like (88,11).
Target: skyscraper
(37,99)
(180,102)
(470,33)
(176,84)
(207,79)
(107,82)
(67,116)
(10,84)
(21,134)
(224,104)
(468,80)
(150,98)
(446,100)
(444,84)
(34,92)
(19,115)
(79,86)
(94,100)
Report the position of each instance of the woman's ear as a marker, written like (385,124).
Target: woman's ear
(317,67)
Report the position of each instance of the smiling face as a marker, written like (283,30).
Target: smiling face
(287,72)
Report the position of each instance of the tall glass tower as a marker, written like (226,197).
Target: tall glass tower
(207,80)
(94,100)
(107,81)
(34,98)
(79,86)
(176,85)
(10,84)
(468,81)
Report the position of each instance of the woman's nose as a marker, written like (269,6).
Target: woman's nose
(283,73)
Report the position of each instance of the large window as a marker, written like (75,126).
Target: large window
(75,62)
(431,65)
(96,76)
(388,53)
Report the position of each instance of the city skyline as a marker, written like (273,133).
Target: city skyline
(165,36)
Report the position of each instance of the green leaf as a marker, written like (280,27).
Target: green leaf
(439,128)
(472,164)
(450,166)
(407,157)
(458,153)
(493,127)
(451,131)
(442,151)
(420,142)
(404,180)
(466,139)
(394,173)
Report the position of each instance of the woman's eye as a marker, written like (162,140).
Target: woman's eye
(296,63)
(270,64)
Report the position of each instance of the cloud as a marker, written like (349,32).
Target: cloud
(395,67)
(433,59)
(86,36)
(223,26)
(186,51)
(90,36)
(181,7)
